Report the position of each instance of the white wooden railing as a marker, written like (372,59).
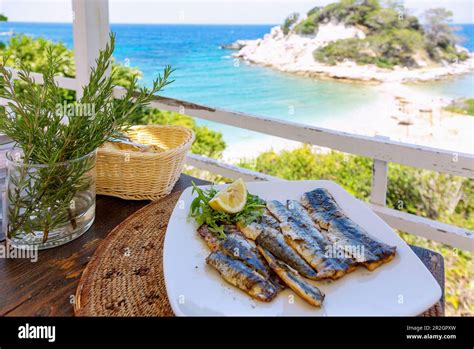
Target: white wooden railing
(382,150)
(90,28)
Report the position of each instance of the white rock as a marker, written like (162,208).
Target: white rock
(332,32)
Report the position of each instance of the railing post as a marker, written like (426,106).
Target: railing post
(91,34)
(378,191)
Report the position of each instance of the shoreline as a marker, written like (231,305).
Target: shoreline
(397,110)
(382,117)
(350,72)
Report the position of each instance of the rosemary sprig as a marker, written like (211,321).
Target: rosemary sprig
(36,120)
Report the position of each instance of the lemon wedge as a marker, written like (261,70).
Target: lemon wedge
(231,199)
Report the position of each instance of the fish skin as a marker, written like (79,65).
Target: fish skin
(305,246)
(302,215)
(341,230)
(212,241)
(252,230)
(240,248)
(308,292)
(237,246)
(339,238)
(209,237)
(231,229)
(273,241)
(313,251)
(269,220)
(240,275)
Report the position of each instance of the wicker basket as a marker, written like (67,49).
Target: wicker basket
(144,175)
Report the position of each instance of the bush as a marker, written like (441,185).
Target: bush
(440,36)
(350,12)
(32,53)
(289,22)
(339,50)
(381,19)
(462,106)
(392,37)
(397,46)
(309,25)
(385,49)
(314,11)
(306,27)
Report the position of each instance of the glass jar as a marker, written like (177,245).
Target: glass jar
(48,205)
(6,144)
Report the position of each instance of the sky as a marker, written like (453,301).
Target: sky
(203,12)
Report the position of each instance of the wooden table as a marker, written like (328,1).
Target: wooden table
(47,287)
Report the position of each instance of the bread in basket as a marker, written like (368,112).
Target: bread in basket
(147,175)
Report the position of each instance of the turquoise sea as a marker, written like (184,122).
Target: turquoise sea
(206,74)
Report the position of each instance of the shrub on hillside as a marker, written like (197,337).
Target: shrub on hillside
(392,36)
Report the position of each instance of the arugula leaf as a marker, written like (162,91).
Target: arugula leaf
(216,220)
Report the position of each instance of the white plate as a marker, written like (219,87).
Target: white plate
(402,287)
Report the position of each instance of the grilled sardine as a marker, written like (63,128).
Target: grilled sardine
(306,245)
(237,273)
(303,216)
(209,237)
(274,241)
(302,288)
(300,213)
(238,247)
(252,230)
(343,232)
(269,220)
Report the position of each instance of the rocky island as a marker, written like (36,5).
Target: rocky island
(363,41)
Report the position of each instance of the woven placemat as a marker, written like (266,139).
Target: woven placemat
(435,310)
(125,275)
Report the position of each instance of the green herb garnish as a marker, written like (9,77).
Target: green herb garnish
(216,220)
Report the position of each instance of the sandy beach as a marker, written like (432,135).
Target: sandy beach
(396,111)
